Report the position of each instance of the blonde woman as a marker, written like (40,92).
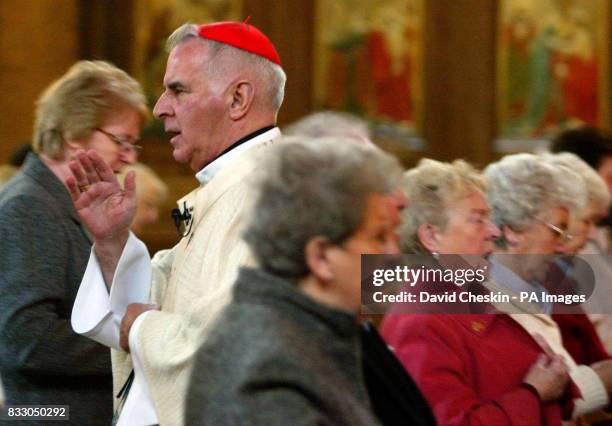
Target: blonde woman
(45,247)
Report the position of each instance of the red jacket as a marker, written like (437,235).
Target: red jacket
(471,367)
(580,338)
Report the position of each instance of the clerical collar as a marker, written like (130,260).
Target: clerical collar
(259,136)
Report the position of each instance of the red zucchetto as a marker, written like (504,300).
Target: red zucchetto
(242,36)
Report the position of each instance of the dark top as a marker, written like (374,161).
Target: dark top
(44,250)
(278,357)
(395,397)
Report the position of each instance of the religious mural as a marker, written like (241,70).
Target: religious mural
(369,61)
(551,66)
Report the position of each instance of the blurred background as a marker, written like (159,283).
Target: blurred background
(445,79)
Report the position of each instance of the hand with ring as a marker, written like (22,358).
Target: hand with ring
(104,206)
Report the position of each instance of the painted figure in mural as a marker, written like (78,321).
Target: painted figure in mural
(517,35)
(388,49)
(540,87)
(372,61)
(576,67)
(552,68)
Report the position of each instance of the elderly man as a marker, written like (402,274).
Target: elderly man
(223,88)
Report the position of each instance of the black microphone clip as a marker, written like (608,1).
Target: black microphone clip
(183,219)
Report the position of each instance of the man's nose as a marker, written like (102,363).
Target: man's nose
(162,108)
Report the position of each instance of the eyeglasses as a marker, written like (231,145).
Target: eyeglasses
(124,144)
(564,235)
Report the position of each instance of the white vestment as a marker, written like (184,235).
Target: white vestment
(191,282)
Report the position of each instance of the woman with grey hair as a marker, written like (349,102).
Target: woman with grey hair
(466,365)
(576,274)
(595,206)
(532,201)
(585,243)
(287,348)
(44,246)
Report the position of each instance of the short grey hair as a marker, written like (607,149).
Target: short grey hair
(431,188)
(330,123)
(312,187)
(270,74)
(595,187)
(523,186)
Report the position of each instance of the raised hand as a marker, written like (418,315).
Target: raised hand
(105,208)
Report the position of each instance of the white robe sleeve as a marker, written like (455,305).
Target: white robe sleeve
(139,408)
(98,315)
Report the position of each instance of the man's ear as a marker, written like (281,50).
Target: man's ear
(427,235)
(316,254)
(243,94)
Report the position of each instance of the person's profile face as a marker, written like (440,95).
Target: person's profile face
(193,105)
(536,245)
(469,229)
(113,139)
(374,235)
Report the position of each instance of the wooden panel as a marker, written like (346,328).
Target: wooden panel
(459,86)
(37,45)
(106,31)
(289,24)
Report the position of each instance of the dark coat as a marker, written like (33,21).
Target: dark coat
(395,397)
(44,249)
(277,357)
